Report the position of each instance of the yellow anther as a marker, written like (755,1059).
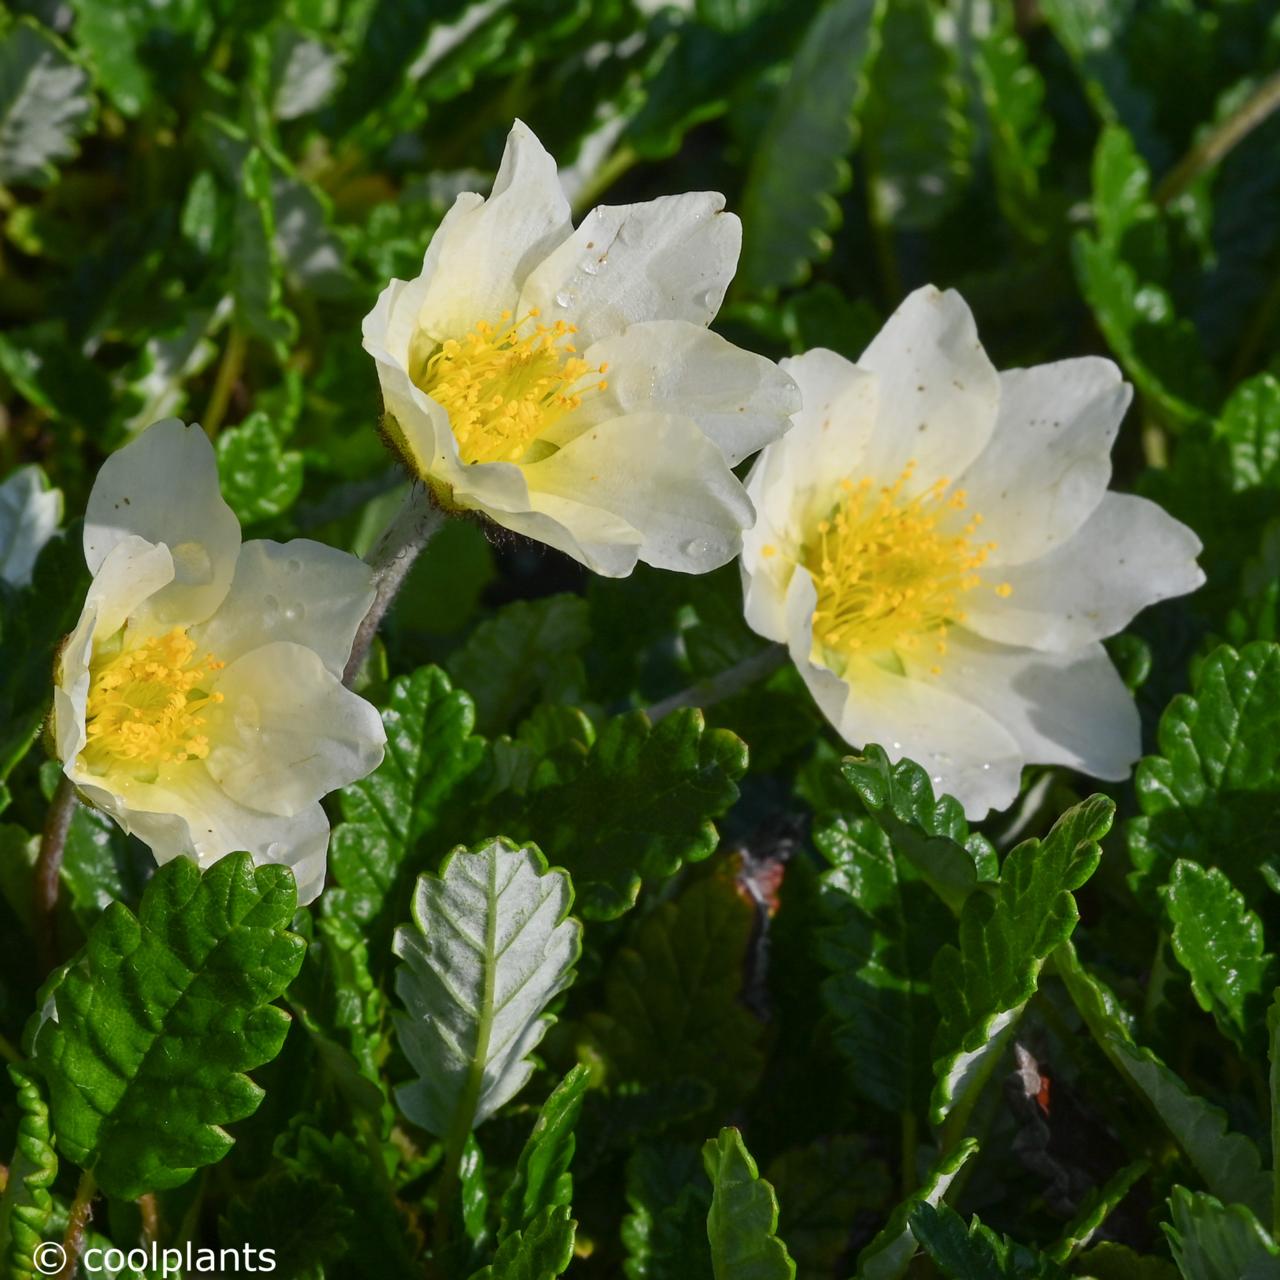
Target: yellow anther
(146,704)
(890,570)
(503,386)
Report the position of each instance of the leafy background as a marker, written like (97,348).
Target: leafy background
(811,1005)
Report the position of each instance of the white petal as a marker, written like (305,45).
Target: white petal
(1062,708)
(602,541)
(163,486)
(1127,555)
(664,478)
(967,752)
(304,591)
(190,815)
(424,427)
(938,391)
(288,732)
(1049,462)
(739,400)
(826,444)
(667,259)
(488,250)
(133,572)
(30,513)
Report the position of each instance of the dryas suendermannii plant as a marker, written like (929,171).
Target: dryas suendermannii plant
(670,924)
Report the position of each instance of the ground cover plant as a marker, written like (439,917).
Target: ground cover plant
(559,716)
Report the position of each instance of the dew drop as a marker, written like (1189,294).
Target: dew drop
(270,609)
(564,298)
(293,612)
(707,300)
(986,767)
(897,746)
(591,266)
(696,547)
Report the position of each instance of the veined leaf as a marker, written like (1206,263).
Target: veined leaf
(1213,1241)
(975,1252)
(889,1255)
(492,947)
(161,1014)
(886,925)
(541,1252)
(430,754)
(1218,941)
(256,270)
(45,104)
(635,806)
(800,162)
(665,1234)
(932,833)
(527,649)
(27,1201)
(743,1220)
(1212,795)
(1005,938)
(542,1179)
(259,477)
(1227,1161)
(672,994)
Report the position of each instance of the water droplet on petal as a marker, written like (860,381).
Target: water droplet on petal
(897,746)
(293,612)
(707,300)
(985,767)
(293,565)
(696,547)
(564,298)
(591,266)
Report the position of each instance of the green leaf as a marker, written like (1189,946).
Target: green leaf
(1099,1204)
(260,479)
(975,1252)
(1212,795)
(1020,130)
(1109,1261)
(430,755)
(665,1235)
(1005,938)
(743,1219)
(542,1179)
(799,165)
(635,807)
(161,1014)
(822,1190)
(933,834)
(918,134)
(1227,1161)
(1273,1082)
(256,269)
(527,651)
(492,947)
(1218,941)
(27,1202)
(154,385)
(886,925)
(1213,1241)
(889,1255)
(541,1252)
(1159,350)
(1248,430)
(45,105)
(672,994)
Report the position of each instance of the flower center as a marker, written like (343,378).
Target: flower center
(505,384)
(145,705)
(891,571)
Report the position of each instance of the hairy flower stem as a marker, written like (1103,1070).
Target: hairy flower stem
(48,875)
(1220,139)
(78,1218)
(408,533)
(724,684)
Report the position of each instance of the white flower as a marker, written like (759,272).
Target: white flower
(564,382)
(199,701)
(938,548)
(30,513)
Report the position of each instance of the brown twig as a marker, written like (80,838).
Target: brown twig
(48,873)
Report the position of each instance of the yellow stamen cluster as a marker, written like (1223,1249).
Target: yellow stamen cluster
(890,570)
(504,385)
(145,706)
